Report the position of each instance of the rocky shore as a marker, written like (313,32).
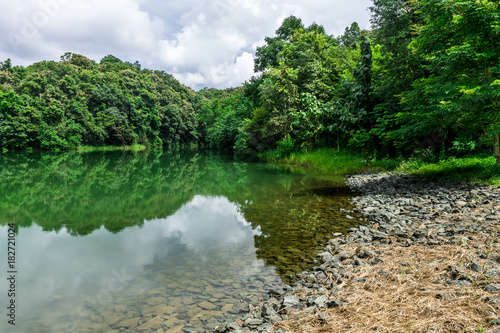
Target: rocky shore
(428,259)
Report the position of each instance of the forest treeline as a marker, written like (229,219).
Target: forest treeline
(74,102)
(426,77)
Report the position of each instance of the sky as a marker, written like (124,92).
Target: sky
(203,43)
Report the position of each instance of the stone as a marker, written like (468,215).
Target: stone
(267,310)
(156,300)
(252,322)
(492,288)
(334,303)
(207,305)
(120,308)
(175,329)
(493,300)
(227,307)
(290,301)
(128,323)
(492,273)
(320,301)
(458,273)
(363,253)
(326,257)
(461,283)
(495,322)
(150,325)
(115,318)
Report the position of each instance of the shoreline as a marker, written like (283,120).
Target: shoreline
(427,260)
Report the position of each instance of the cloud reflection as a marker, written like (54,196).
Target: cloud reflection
(58,271)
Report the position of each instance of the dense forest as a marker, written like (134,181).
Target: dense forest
(426,77)
(74,102)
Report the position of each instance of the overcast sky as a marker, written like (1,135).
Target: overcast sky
(203,43)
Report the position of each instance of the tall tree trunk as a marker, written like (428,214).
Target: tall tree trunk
(496,147)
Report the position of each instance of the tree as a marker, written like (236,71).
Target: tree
(459,41)
(363,75)
(393,23)
(18,122)
(266,56)
(351,36)
(6,65)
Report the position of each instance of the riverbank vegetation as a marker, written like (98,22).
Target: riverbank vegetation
(424,81)
(329,160)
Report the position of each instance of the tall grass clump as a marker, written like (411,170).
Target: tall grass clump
(328,160)
(472,169)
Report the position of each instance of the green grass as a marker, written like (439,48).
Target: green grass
(328,160)
(472,169)
(135,147)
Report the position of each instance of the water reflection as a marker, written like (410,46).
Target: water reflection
(99,231)
(208,221)
(94,274)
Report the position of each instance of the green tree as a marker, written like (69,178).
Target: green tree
(18,122)
(459,41)
(266,56)
(6,65)
(395,67)
(351,36)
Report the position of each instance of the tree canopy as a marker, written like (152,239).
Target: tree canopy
(426,67)
(73,102)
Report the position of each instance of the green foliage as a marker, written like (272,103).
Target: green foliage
(331,161)
(62,105)
(351,36)
(458,41)
(285,147)
(266,56)
(473,169)
(222,120)
(463,146)
(427,65)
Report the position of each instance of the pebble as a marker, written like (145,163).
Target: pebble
(401,210)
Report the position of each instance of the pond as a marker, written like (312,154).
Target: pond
(122,241)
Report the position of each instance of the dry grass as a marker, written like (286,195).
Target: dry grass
(409,292)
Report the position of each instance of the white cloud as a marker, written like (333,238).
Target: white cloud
(203,43)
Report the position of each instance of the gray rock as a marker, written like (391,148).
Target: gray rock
(334,303)
(493,300)
(474,267)
(360,262)
(320,301)
(290,300)
(345,256)
(495,322)
(326,257)
(492,288)
(461,283)
(363,253)
(457,273)
(492,273)
(252,322)
(310,300)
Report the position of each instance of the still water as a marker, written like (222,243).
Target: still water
(123,241)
